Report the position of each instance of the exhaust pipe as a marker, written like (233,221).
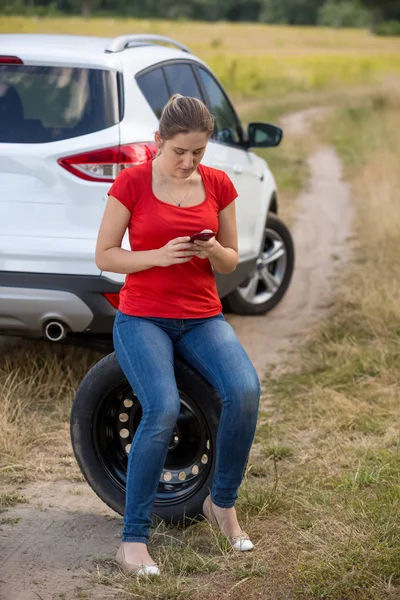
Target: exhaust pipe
(55,331)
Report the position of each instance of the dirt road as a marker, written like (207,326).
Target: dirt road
(64,528)
(320,234)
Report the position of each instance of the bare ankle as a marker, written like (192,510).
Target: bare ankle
(133,544)
(136,550)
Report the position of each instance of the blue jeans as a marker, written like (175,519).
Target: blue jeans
(144,347)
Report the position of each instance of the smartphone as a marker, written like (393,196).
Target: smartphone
(203,235)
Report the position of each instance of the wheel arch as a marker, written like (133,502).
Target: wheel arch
(273,205)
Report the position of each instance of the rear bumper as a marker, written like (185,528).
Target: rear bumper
(29,300)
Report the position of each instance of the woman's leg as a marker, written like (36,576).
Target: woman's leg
(145,354)
(213,348)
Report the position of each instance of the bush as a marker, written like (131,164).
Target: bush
(291,12)
(388,28)
(29,11)
(348,13)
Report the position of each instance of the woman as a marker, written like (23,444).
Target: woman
(169,302)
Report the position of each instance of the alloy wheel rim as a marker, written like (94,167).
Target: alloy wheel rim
(266,279)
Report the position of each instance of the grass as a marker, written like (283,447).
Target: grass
(9,520)
(38,382)
(341,407)
(196,562)
(9,499)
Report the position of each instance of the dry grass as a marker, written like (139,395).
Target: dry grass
(38,382)
(8,499)
(198,563)
(341,410)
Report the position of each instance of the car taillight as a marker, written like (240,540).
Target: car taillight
(10,60)
(104,165)
(113,298)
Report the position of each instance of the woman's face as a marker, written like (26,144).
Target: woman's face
(181,155)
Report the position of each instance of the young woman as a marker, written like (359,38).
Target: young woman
(169,302)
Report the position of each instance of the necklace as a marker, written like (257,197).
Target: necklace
(167,191)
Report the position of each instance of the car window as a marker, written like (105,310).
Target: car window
(181,80)
(227,126)
(154,88)
(48,104)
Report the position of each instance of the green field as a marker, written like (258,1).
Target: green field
(252,59)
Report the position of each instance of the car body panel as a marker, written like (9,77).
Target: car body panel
(46,211)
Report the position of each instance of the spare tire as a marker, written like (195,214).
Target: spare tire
(104,417)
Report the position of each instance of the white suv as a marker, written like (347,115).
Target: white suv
(74,111)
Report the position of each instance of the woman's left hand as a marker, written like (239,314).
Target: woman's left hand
(206,249)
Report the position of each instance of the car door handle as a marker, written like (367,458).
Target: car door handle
(238,169)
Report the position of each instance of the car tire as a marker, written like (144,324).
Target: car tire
(274,268)
(105,408)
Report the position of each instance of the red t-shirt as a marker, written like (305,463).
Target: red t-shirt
(183,291)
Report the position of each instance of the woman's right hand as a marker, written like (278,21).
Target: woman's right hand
(177,251)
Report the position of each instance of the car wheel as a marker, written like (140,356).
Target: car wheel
(104,417)
(266,285)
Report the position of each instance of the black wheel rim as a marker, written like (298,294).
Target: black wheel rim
(190,453)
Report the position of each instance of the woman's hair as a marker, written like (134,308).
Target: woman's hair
(184,114)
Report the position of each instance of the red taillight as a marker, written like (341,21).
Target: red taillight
(10,60)
(113,299)
(104,165)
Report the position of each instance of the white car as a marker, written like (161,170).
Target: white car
(76,110)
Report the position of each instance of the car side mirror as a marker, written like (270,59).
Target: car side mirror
(263,135)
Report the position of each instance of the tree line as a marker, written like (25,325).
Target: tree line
(337,13)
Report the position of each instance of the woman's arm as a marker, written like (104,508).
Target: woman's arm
(222,251)
(111,257)
(225,256)
(109,254)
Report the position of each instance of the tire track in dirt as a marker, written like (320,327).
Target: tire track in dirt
(44,555)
